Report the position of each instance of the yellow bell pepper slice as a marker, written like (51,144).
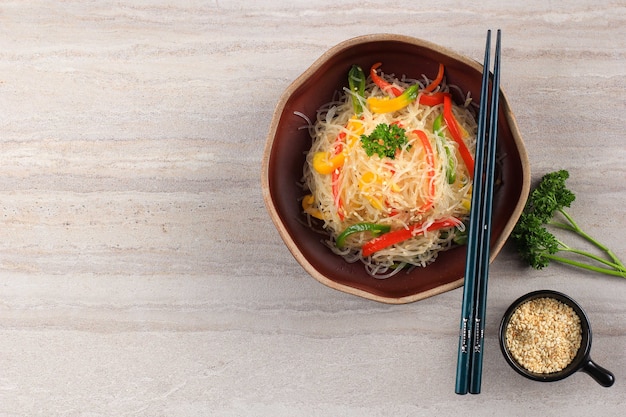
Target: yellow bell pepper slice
(364,183)
(390,105)
(307,206)
(325,164)
(369,178)
(467,200)
(355,128)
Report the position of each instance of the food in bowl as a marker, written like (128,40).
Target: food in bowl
(288,144)
(543,335)
(389,172)
(546,336)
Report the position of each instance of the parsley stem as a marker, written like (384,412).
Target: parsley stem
(565,248)
(573,226)
(616,273)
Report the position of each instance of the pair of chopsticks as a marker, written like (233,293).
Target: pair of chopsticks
(471,335)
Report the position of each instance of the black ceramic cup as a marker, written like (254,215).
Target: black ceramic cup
(581,362)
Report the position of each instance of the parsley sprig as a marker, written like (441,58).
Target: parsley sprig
(384,140)
(545,209)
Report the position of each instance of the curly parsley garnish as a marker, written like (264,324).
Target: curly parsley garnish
(384,140)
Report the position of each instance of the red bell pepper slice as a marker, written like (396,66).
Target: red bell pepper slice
(453,127)
(397,236)
(430,87)
(432,99)
(335,176)
(382,83)
(430,159)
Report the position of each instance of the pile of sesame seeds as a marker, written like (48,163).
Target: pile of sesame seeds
(543,335)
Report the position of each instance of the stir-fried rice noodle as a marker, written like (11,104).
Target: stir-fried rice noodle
(391,191)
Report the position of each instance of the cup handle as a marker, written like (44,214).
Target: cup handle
(601,375)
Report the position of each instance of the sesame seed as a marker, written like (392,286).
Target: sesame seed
(543,335)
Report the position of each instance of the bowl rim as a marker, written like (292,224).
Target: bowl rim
(278,110)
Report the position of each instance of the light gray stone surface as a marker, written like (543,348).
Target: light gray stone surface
(140,274)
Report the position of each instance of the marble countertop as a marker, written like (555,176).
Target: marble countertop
(140,273)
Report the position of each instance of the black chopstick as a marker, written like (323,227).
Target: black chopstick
(471,336)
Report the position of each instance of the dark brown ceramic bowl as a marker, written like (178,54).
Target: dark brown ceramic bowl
(287,145)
